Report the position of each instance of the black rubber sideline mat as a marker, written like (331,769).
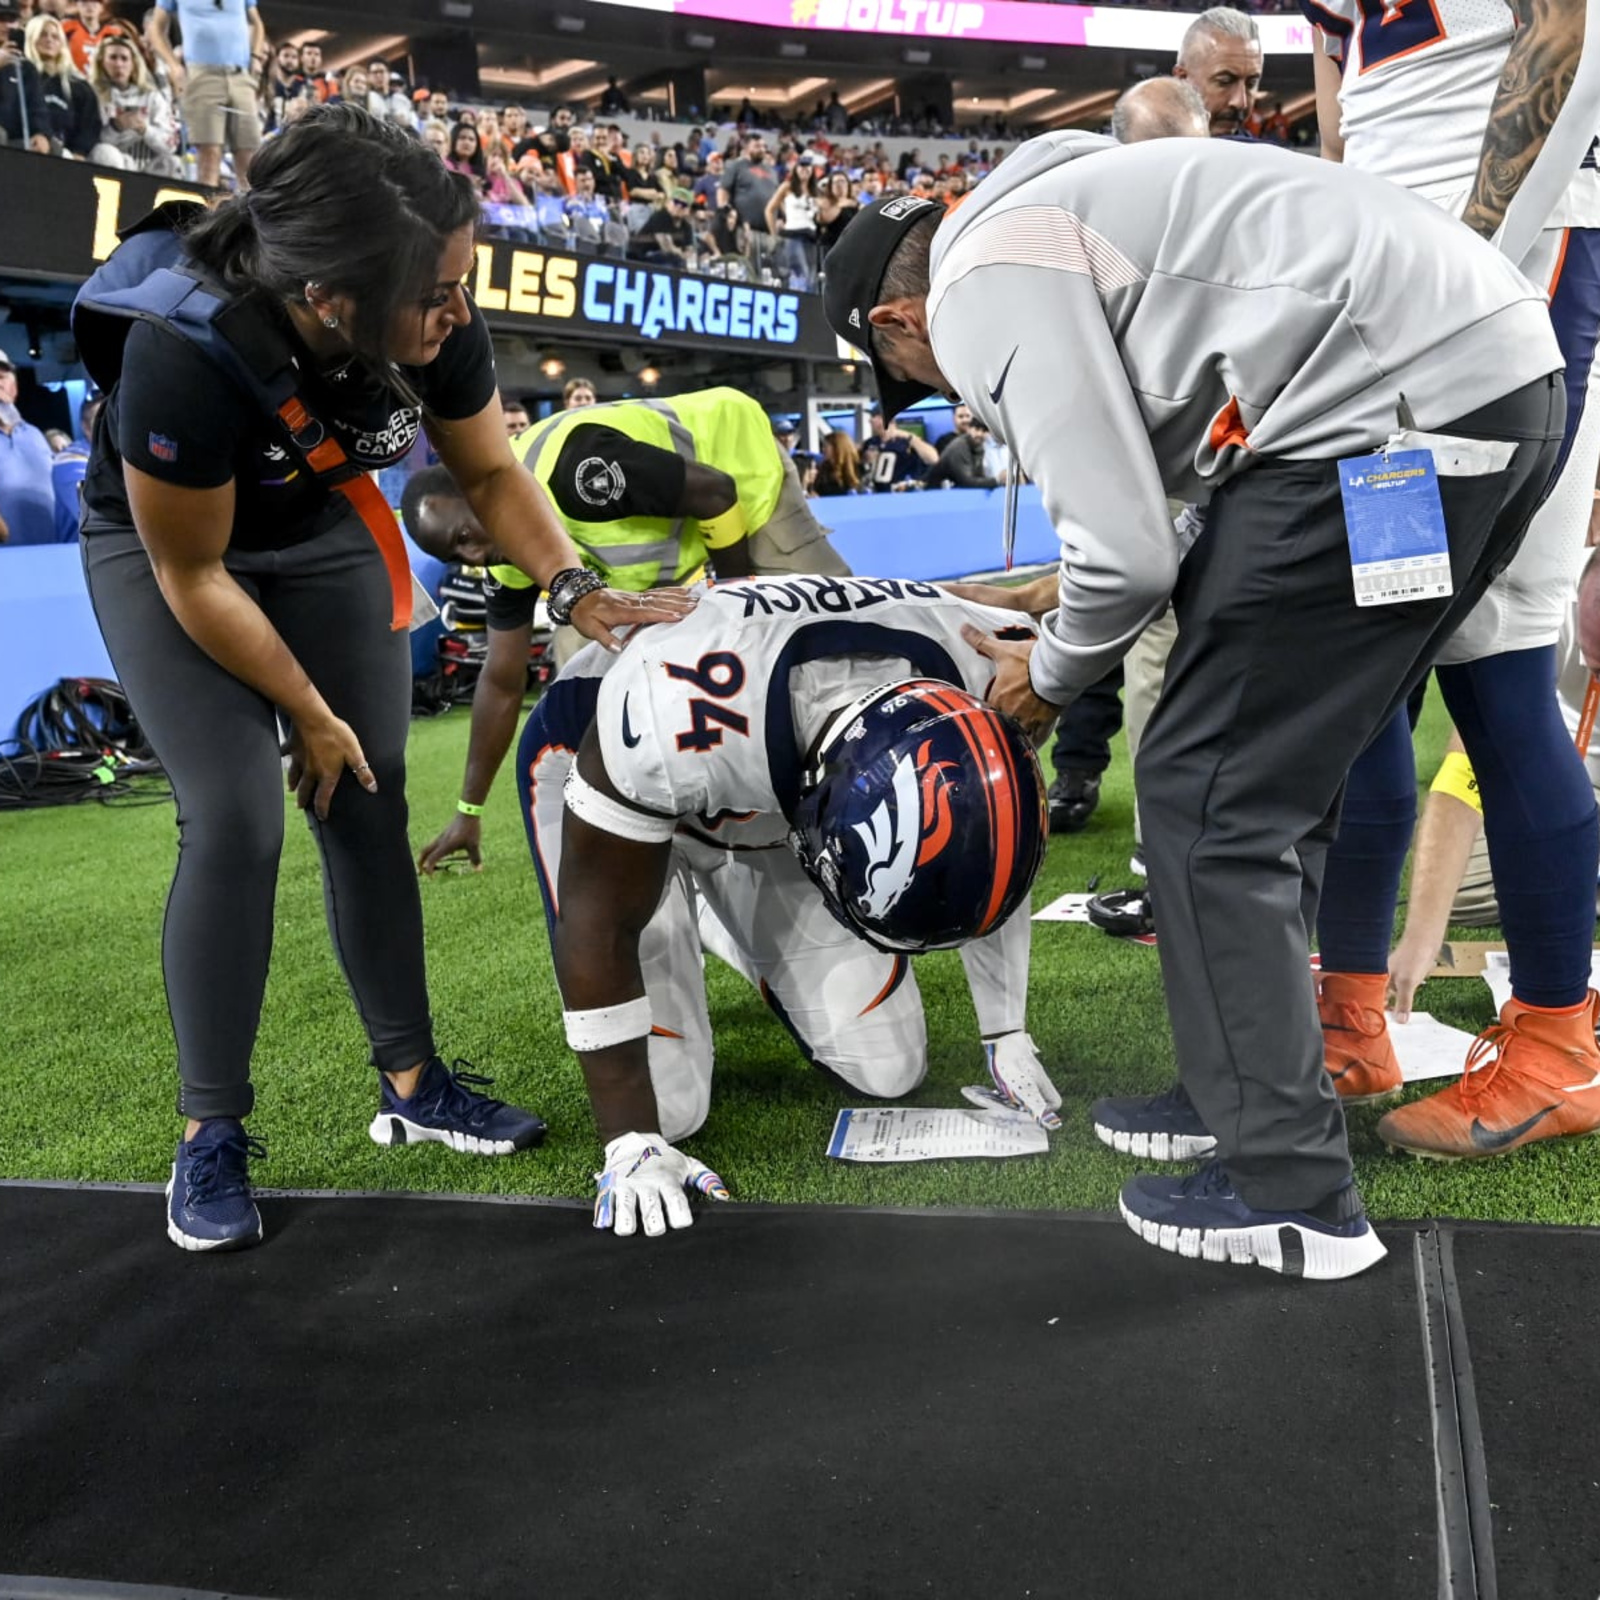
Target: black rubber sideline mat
(1532,1309)
(430,1398)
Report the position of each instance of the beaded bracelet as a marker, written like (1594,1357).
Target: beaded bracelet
(567,588)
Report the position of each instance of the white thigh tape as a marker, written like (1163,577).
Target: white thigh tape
(611,816)
(604,1026)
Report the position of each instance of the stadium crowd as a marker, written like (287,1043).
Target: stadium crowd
(189,90)
(728,198)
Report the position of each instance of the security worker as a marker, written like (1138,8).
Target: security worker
(651,492)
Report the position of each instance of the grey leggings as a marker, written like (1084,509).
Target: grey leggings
(218,740)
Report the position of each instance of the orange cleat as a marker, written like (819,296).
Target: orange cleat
(1533,1075)
(1355,1036)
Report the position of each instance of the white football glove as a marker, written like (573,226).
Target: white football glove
(646,1179)
(1020,1080)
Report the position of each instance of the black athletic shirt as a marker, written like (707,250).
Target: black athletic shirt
(178,417)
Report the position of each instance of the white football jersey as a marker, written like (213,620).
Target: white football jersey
(1419,78)
(710,718)
(1579,207)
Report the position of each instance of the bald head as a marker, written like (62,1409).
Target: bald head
(1160,108)
(1221,56)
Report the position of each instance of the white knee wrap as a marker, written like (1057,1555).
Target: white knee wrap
(603,1026)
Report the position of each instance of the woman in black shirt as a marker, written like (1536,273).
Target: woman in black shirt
(729,236)
(836,209)
(234,588)
(839,471)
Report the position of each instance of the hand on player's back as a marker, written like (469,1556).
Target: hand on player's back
(1011,690)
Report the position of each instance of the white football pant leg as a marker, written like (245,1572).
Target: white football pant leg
(681,1055)
(715,940)
(1524,607)
(853,1009)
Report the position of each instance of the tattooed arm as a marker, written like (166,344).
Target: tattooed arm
(1534,85)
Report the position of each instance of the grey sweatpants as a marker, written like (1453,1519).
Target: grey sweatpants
(218,740)
(1276,683)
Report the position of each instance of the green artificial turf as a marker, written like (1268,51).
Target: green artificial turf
(87,1086)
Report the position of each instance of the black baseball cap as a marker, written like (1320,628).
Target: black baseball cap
(854,274)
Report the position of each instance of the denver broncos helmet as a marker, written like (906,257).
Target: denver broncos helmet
(922,816)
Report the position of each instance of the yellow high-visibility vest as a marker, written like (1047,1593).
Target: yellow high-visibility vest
(719,428)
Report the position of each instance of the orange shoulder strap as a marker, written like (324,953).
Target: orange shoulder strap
(326,458)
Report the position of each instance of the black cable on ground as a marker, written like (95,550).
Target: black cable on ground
(84,714)
(1465,1526)
(78,741)
(31,778)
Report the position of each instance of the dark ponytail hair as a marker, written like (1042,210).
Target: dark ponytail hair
(348,202)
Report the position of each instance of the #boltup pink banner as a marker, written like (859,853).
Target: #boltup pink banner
(1001,21)
(1015,21)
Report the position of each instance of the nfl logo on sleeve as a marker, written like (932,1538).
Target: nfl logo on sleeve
(905,205)
(163,448)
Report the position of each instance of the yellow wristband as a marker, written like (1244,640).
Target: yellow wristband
(467,809)
(1457,779)
(725,529)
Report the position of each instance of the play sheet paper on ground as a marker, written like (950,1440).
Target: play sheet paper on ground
(915,1133)
(1065,908)
(1427,1048)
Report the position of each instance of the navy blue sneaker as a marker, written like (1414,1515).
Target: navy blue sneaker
(1201,1217)
(446,1109)
(1154,1127)
(208,1195)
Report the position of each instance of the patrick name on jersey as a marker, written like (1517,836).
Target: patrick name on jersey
(713,717)
(826,596)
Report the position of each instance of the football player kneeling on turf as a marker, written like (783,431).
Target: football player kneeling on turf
(802,778)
